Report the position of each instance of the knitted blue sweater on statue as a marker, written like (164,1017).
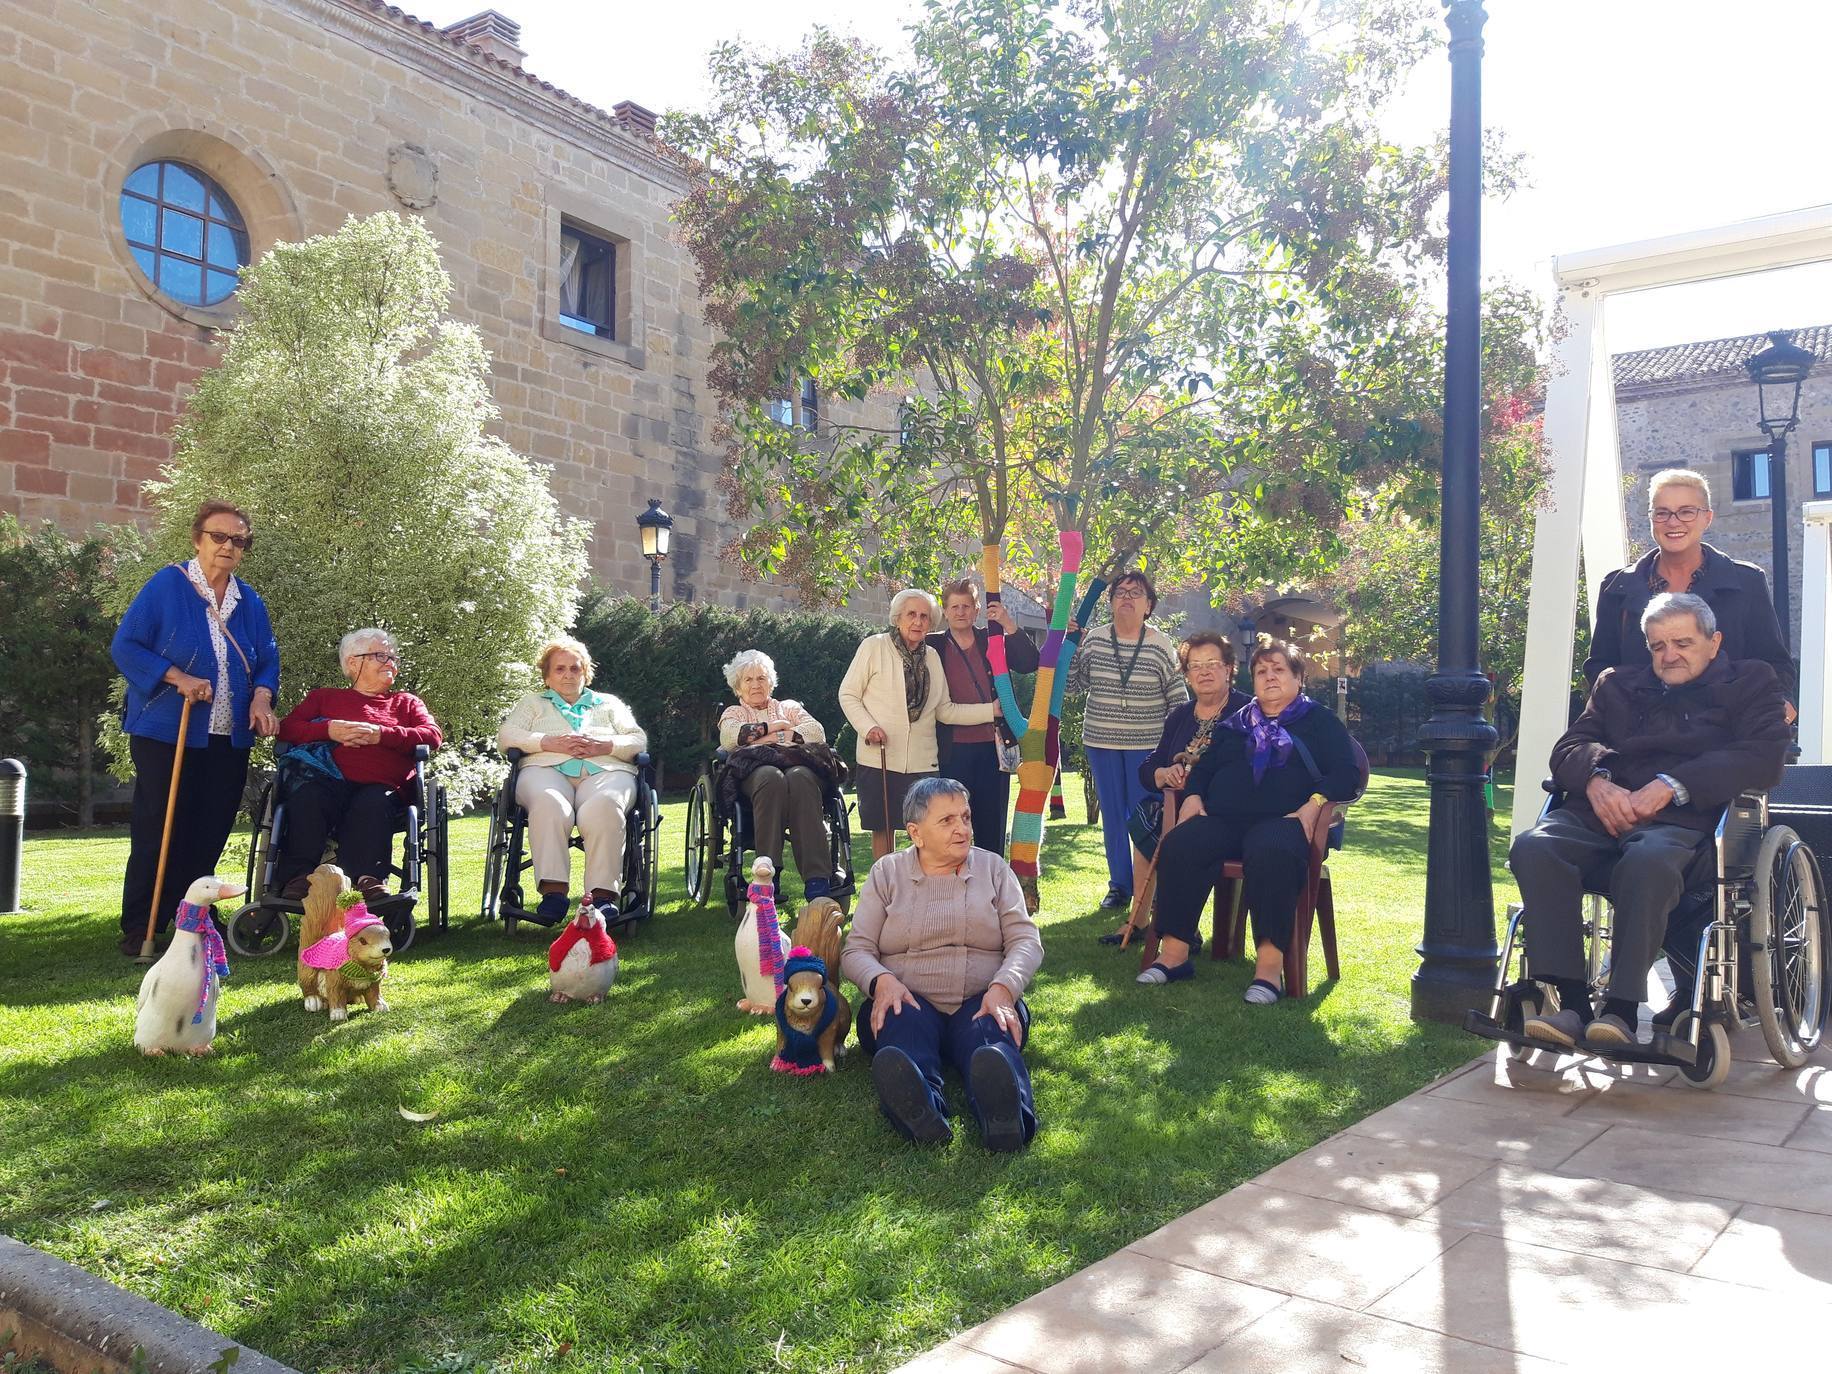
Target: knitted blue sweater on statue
(168,626)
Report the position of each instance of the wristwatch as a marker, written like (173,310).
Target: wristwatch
(1318,799)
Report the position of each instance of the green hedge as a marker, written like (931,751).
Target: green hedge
(668,667)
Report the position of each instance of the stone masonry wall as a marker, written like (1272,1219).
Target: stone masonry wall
(308,111)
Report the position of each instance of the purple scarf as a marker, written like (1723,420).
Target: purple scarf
(216,961)
(1268,742)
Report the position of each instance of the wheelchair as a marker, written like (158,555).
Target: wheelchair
(719,842)
(507,859)
(1754,922)
(263,925)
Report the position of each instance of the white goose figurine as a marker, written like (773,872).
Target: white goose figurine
(761,944)
(177,1002)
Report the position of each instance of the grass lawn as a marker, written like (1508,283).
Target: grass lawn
(628,1187)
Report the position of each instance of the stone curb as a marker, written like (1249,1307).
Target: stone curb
(83,1323)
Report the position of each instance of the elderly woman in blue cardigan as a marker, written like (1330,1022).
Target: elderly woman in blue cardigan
(195,631)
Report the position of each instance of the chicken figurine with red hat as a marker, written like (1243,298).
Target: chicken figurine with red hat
(582,963)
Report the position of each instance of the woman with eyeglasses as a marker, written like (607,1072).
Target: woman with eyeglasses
(371,732)
(1129,671)
(195,631)
(1679,514)
(1207,661)
(578,770)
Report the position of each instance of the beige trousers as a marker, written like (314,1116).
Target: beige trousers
(596,803)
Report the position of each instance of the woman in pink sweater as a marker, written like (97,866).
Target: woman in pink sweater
(372,731)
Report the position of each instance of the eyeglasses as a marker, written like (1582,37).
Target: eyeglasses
(1209,665)
(382,657)
(241,541)
(1685,514)
(1129,594)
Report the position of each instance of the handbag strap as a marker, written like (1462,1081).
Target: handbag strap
(1310,761)
(216,615)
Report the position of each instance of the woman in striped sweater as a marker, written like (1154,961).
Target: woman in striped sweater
(1128,670)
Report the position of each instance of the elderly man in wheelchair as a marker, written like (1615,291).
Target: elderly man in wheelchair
(1646,773)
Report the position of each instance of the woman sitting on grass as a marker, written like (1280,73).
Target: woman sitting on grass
(1255,796)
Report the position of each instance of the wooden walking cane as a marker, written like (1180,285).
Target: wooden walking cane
(165,838)
(884,777)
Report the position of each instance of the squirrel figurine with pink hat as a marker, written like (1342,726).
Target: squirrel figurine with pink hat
(343,953)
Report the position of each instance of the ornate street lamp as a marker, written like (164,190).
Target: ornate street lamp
(1458,954)
(655,525)
(1778,371)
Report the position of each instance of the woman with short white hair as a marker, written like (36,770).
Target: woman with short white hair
(371,732)
(579,750)
(893,693)
(786,801)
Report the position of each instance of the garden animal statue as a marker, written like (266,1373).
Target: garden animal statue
(176,1008)
(582,962)
(760,943)
(343,950)
(812,1015)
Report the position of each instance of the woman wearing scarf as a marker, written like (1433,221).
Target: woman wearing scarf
(579,769)
(195,631)
(893,693)
(1254,797)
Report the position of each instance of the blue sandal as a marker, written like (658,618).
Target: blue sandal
(1157,974)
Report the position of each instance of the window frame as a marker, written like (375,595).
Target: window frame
(1741,465)
(1822,449)
(583,323)
(213,226)
(591,218)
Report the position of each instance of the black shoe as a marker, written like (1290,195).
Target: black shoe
(1116,898)
(904,1094)
(994,1085)
(1667,1015)
(553,908)
(1118,937)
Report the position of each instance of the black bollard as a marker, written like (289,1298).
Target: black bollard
(12,831)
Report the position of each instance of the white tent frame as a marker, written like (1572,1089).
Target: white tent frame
(1586,467)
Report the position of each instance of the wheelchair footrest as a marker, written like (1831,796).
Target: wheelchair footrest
(1662,1049)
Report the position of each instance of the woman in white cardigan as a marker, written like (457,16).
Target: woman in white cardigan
(893,693)
(578,769)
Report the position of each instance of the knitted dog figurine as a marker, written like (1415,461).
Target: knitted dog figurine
(347,964)
(812,1018)
(760,944)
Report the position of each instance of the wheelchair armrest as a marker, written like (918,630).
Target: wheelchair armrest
(1550,785)
(514,755)
(643,760)
(422,752)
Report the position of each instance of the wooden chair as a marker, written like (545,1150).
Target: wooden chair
(1316,900)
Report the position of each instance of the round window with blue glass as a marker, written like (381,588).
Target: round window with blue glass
(184,231)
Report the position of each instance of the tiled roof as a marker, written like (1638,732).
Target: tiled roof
(433,33)
(1710,358)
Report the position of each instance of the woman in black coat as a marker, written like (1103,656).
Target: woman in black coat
(1254,796)
(1679,513)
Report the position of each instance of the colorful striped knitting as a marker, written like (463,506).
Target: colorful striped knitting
(769,933)
(196,919)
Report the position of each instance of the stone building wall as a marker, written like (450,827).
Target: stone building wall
(306,112)
(1699,423)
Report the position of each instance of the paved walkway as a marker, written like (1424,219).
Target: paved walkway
(1501,1219)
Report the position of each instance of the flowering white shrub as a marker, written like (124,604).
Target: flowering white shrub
(347,417)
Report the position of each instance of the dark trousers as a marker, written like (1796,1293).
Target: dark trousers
(789,801)
(976,768)
(1552,862)
(932,1037)
(360,815)
(209,794)
(1274,854)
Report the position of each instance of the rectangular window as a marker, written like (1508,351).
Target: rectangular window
(782,408)
(1749,475)
(1822,469)
(588,283)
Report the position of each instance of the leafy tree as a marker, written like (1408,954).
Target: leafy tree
(56,671)
(348,418)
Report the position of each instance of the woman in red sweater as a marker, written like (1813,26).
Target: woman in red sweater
(372,731)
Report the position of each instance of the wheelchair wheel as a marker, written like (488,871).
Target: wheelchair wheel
(652,820)
(257,932)
(258,845)
(1712,1066)
(401,927)
(702,840)
(1787,939)
(439,872)
(1521,1006)
(494,850)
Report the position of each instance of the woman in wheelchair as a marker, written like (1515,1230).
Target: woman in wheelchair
(784,801)
(579,770)
(1255,795)
(1646,770)
(363,739)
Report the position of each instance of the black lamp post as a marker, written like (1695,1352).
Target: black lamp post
(655,525)
(1458,954)
(1778,371)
